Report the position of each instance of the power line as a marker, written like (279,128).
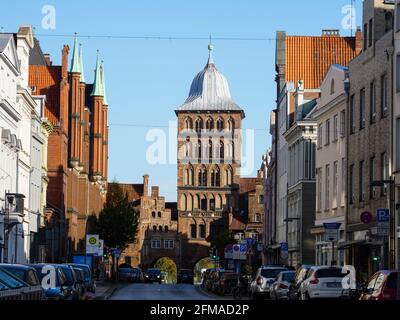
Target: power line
(154,37)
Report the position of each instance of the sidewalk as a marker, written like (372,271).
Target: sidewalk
(105,289)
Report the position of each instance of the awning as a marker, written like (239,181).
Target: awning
(352,243)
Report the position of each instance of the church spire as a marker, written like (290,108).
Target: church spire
(97,84)
(75,67)
(81,63)
(103,83)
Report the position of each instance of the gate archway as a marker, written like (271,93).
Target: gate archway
(168,266)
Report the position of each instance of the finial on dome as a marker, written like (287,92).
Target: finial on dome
(210,48)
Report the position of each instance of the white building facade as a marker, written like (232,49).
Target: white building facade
(17,107)
(330,159)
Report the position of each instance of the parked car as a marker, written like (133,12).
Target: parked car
(323,282)
(89,283)
(382,286)
(185,276)
(153,275)
(294,287)
(137,275)
(261,285)
(11,287)
(280,288)
(80,277)
(126,274)
(228,281)
(54,288)
(28,275)
(72,283)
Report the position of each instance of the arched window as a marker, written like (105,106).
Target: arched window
(221,151)
(199,125)
(153,214)
(203,203)
(159,214)
(198,151)
(187,174)
(183,203)
(220,124)
(193,231)
(210,124)
(202,177)
(155,228)
(166,228)
(257,217)
(190,173)
(212,203)
(160,228)
(231,124)
(188,124)
(197,202)
(228,176)
(202,231)
(210,150)
(215,177)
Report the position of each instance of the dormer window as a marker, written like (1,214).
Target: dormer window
(332,86)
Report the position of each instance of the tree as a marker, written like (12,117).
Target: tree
(167,265)
(118,221)
(221,240)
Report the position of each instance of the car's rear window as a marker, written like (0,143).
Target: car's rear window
(330,273)
(391,282)
(271,273)
(288,276)
(153,271)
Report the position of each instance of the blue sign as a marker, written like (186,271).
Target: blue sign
(80,259)
(383,215)
(250,241)
(243,248)
(284,246)
(332,226)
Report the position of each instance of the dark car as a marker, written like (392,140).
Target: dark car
(294,287)
(28,275)
(153,275)
(54,287)
(80,277)
(90,286)
(185,276)
(72,282)
(137,275)
(126,274)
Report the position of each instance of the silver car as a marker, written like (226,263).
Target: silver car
(261,285)
(280,288)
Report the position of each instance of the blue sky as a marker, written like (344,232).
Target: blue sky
(148,79)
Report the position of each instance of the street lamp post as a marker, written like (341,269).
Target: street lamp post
(392,227)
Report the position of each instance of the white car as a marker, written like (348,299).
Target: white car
(323,282)
(280,288)
(261,285)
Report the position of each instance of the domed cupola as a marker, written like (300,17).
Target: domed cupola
(209,91)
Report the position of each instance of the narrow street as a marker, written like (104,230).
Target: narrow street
(140,291)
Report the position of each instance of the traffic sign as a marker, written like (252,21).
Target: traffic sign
(284,250)
(228,252)
(332,231)
(366,217)
(236,251)
(383,219)
(92,243)
(383,215)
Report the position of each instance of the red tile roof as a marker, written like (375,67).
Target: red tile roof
(308,58)
(47,80)
(134,191)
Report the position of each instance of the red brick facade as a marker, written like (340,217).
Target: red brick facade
(77,153)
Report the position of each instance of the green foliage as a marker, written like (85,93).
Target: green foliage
(118,221)
(205,263)
(167,265)
(221,240)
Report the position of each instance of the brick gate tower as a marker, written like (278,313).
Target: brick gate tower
(209,154)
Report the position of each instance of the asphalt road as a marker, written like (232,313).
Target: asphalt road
(141,291)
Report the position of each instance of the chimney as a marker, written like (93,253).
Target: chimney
(330,33)
(359,40)
(145,185)
(154,192)
(47,58)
